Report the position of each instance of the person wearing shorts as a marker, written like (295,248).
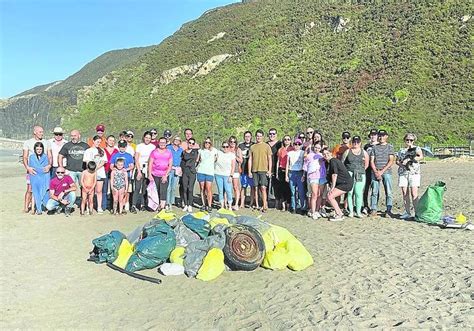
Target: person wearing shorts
(409,173)
(245,180)
(205,172)
(260,168)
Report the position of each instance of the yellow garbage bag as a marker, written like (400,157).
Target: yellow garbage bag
(176,255)
(212,265)
(165,215)
(460,218)
(124,253)
(224,211)
(299,257)
(276,259)
(218,220)
(202,215)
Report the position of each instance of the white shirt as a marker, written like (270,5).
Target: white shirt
(295,159)
(144,151)
(55,148)
(223,164)
(206,161)
(92,154)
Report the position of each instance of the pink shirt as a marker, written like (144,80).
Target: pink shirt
(59,186)
(160,162)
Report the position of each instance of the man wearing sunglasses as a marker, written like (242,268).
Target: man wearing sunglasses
(154,137)
(61,193)
(381,160)
(56,144)
(275,145)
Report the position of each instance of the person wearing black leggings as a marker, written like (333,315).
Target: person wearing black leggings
(188,166)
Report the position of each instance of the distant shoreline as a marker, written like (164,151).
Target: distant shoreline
(11,144)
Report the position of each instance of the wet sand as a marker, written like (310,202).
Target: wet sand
(369,273)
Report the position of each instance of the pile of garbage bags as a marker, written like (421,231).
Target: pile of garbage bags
(202,246)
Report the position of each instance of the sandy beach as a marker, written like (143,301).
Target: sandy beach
(369,273)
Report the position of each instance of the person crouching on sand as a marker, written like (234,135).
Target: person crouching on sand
(88,183)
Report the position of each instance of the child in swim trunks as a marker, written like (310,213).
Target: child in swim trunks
(119,185)
(88,183)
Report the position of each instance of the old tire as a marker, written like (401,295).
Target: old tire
(244,248)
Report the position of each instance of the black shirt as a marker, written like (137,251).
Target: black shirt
(245,148)
(188,161)
(338,168)
(275,149)
(74,153)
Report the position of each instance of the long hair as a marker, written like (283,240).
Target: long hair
(38,144)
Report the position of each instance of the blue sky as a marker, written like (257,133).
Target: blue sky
(42,41)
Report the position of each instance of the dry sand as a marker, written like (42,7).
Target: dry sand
(369,273)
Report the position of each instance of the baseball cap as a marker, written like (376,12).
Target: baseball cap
(122,143)
(167,133)
(130,133)
(298,141)
(58,130)
(100,127)
(382,133)
(356,138)
(346,134)
(373,132)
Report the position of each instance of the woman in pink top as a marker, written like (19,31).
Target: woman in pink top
(159,166)
(315,168)
(282,189)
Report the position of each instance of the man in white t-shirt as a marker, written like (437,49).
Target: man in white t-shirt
(28,148)
(56,144)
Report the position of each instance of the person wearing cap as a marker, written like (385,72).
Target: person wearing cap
(373,140)
(129,139)
(409,173)
(356,161)
(29,148)
(382,158)
(176,171)
(167,134)
(129,164)
(56,143)
(294,175)
(340,149)
(100,131)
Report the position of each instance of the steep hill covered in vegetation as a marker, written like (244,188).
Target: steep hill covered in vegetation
(403,66)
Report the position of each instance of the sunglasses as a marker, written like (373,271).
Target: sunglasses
(356,142)
(58,134)
(207,142)
(225,146)
(298,144)
(301,137)
(287,139)
(60,172)
(310,132)
(191,142)
(409,139)
(153,133)
(346,137)
(271,133)
(232,141)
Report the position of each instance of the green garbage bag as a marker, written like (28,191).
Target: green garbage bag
(106,247)
(201,227)
(153,250)
(430,206)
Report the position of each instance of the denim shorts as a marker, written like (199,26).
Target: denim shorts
(319,181)
(201,178)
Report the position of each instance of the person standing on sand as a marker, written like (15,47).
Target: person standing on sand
(339,149)
(315,168)
(260,168)
(294,175)
(109,150)
(373,140)
(381,161)
(159,167)
(88,184)
(237,169)
(275,145)
(205,172)
(409,172)
(175,173)
(189,160)
(283,196)
(73,152)
(142,155)
(56,144)
(61,192)
(97,154)
(356,161)
(40,179)
(28,148)
(245,179)
(129,165)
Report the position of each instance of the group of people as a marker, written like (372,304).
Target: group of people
(299,173)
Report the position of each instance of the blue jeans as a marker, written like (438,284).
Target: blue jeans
(387,184)
(52,204)
(297,186)
(172,184)
(223,185)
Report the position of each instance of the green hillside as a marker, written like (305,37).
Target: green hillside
(403,66)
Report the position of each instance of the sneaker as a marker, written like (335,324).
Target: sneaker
(185,208)
(358,216)
(100,211)
(168,208)
(405,216)
(133,210)
(346,212)
(323,213)
(365,211)
(67,211)
(310,214)
(190,209)
(389,214)
(315,215)
(337,218)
